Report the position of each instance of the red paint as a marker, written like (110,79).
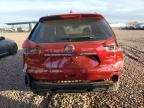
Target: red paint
(96,63)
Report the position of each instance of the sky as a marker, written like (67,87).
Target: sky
(115,11)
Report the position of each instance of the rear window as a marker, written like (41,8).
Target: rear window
(71,30)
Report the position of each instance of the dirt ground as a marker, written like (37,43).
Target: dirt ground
(14,94)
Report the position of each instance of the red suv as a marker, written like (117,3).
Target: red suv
(72,52)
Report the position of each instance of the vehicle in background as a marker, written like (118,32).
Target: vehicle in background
(7,47)
(72,52)
(134,27)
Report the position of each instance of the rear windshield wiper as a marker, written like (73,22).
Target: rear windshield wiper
(72,38)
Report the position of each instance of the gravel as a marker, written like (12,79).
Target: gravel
(14,94)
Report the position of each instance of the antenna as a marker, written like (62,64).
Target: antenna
(71,11)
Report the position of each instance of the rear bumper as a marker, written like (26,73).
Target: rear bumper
(93,76)
(102,72)
(70,87)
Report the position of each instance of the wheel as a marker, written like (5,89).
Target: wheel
(39,93)
(28,81)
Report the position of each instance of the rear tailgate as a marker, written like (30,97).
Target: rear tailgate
(83,56)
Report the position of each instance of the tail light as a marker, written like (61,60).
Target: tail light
(112,48)
(28,51)
(30,47)
(70,16)
(111,45)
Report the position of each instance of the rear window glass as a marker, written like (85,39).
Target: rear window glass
(71,30)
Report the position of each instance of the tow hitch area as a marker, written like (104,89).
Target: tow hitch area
(70,86)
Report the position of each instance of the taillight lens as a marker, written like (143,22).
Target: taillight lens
(31,51)
(112,48)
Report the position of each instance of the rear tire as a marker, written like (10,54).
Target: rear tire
(39,93)
(28,81)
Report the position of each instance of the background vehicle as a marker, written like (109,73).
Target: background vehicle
(7,47)
(72,52)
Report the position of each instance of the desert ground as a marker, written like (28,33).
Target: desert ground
(14,94)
